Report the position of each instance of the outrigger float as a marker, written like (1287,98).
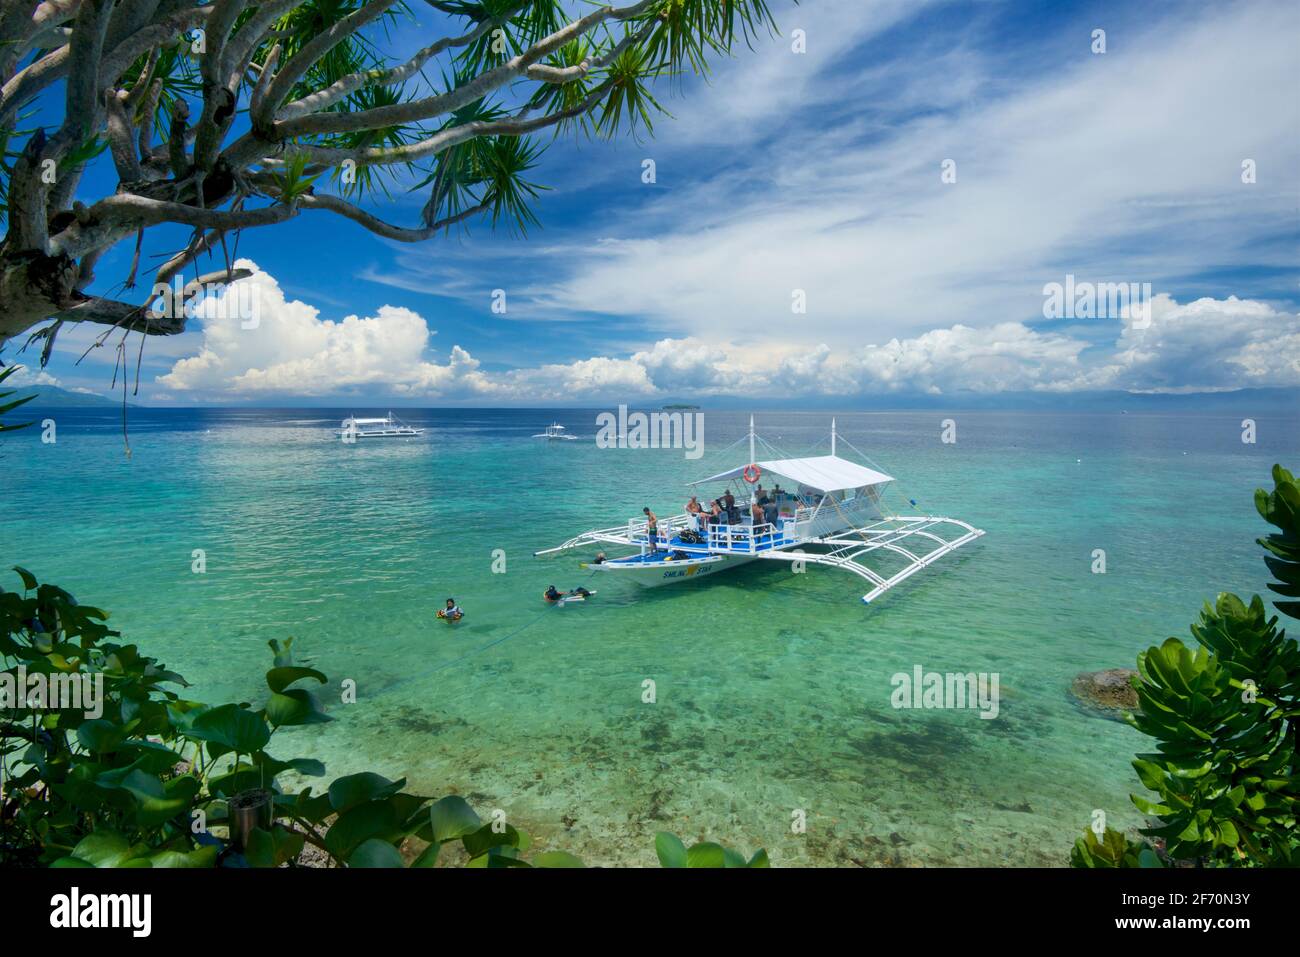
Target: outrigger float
(836,517)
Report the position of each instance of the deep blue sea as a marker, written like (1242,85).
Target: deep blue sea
(772,689)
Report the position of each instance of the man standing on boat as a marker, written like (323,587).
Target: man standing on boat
(693,513)
(652,529)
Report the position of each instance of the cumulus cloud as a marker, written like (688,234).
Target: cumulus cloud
(26,377)
(1203,345)
(292,350)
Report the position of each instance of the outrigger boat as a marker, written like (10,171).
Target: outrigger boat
(836,517)
(388,427)
(555,432)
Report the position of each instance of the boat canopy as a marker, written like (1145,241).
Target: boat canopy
(825,473)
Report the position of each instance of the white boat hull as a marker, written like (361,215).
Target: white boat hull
(654,574)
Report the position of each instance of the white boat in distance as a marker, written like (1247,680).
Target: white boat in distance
(353,428)
(835,516)
(554,432)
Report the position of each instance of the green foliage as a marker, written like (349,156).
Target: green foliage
(7,158)
(673,853)
(151,779)
(12,404)
(669,40)
(293,181)
(1281,508)
(1113,849)
(1225,772)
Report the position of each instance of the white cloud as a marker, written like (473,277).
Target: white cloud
(26,377)
(293,351)
(1122,168)
(1207,344)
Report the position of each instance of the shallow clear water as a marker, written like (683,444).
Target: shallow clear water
(773,689)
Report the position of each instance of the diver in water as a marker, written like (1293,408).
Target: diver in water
(452,612)
(554,594)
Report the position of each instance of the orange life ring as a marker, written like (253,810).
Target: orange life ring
(752,472)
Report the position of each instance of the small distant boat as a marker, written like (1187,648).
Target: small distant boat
(555,432)
(353,428)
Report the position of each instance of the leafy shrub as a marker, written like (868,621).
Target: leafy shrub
(1223,717)
(152,780)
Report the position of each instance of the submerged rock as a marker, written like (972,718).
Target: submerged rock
(1109,692)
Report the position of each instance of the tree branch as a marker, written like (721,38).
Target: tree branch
(322,99)
(312,51)
(139,317)
(415,111)
(127,210)
(380,228)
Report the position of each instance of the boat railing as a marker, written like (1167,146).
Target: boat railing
(744,538)
(638,528)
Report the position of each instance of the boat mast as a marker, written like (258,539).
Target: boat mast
(751,439)
(832,435)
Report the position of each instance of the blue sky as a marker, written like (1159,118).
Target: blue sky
(820,172)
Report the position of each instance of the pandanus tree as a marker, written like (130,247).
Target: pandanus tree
(237,115)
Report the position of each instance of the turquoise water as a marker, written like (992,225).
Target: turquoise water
(772,689)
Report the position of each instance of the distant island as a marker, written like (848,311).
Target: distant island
(679,406)
(49,396)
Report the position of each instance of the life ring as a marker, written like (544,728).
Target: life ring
(752,473)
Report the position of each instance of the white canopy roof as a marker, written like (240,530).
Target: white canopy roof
(825,473)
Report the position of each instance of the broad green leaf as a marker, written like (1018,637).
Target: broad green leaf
(274,847)
(354,789)
(376,853)
(557,859)
(480,841)
(277,679)
(235,728)
(671,851)
(706,854)
(452,817)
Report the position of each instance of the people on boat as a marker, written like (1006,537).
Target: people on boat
(652,530)
(693,513)
(452,612)
(756,512)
